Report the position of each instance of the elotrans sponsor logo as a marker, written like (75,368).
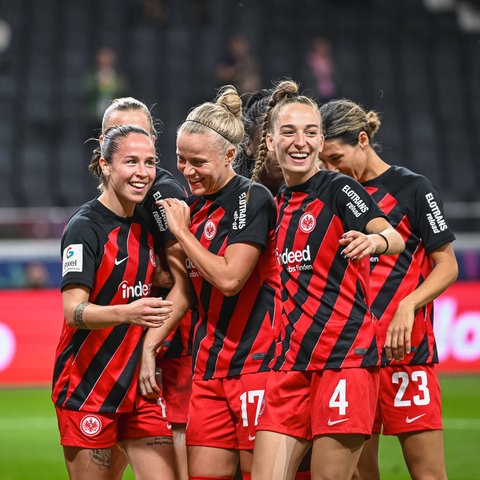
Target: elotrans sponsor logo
(138,290)
(295,260)
(435,217)
(240,215)
(159,213)
(357,205)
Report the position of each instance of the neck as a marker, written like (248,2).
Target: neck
(120,209)
(375,167)
(294,178)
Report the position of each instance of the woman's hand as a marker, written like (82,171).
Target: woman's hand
(399,332)
(148,312)
(358,245)
(147,380)
(178,214)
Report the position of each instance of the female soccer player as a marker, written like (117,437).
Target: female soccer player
(402,290)
(324,382)
(229,241)
(108,263)
(174,363)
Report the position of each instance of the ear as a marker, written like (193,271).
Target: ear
(100,140)
(321,143)
(269,141)
(230,155)
(363,141)
(104,166)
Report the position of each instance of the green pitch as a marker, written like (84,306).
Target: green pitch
(29,440)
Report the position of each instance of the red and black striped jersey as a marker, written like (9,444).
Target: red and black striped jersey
(326,321)
(164,186)
(96,370)
(415,210)
(179,342)
(234,335)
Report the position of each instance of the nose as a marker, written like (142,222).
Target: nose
(188,170)
(299,139)
(142,170)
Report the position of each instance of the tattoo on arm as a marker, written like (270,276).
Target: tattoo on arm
(102,457)
(78,315)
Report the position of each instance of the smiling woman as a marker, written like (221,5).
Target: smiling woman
(229,244)
(326,353)
(126,168)
(108,266)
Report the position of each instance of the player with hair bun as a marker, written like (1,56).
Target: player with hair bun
(323,388)
(229,244)
(402,290)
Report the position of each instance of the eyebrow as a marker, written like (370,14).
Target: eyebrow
(311,125)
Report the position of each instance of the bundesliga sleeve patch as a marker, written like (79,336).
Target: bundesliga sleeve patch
(72,259)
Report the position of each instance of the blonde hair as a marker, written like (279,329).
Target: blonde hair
(222,116)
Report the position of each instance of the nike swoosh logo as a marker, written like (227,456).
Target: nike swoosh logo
(410,420)
(118,262)
(251,437)
(334,422)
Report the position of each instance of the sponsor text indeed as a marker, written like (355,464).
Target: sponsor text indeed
(138,290)
(291,259)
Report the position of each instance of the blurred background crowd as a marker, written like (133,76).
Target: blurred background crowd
(417,62)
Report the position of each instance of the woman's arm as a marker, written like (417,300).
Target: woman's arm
(228,272)
(182,297)
(381,239)
(443,274)
(80,313)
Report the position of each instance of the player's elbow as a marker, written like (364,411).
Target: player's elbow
(230,288)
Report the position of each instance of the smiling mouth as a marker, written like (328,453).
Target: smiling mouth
(298,157)
(138,185)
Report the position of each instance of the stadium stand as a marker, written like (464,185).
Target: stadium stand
(413,63)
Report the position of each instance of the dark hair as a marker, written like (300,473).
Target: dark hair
(123,104)
(344,120)
(110,145)
(253,114)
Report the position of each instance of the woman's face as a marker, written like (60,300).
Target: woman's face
(296,139)
(344,158)
(131,172)
(206,167)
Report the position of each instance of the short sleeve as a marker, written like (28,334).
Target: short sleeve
(254,218)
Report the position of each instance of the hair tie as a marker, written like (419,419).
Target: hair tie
(211,128)
(386,242)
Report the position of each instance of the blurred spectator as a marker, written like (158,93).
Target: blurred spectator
(152,12)
(239,67)
(5,38)
(101,85)
(36,275)
(320,70)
